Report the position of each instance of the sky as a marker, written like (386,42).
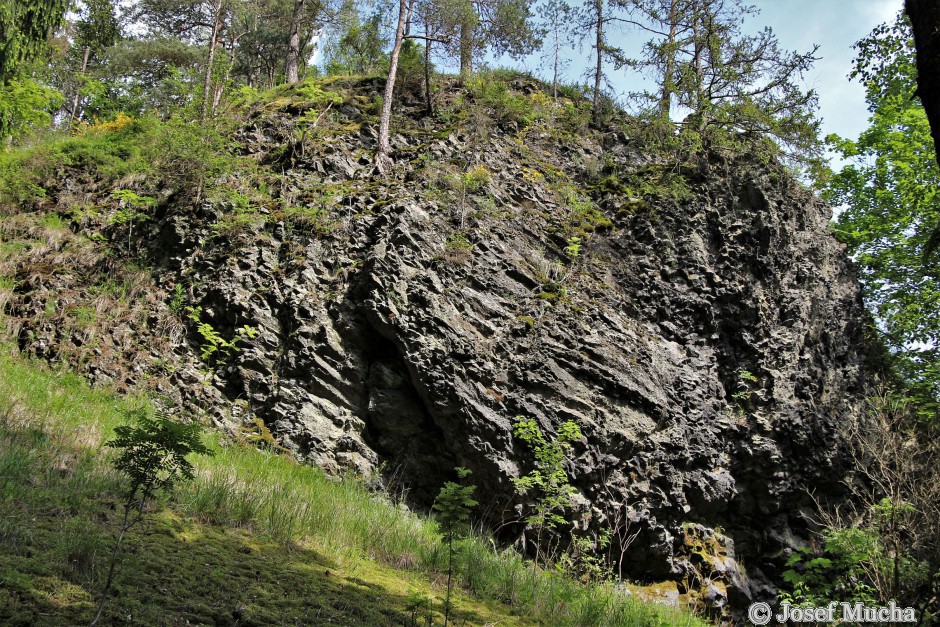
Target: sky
(835,25)
(798,24)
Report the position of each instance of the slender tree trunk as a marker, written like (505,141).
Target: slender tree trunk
(557,52)
(382,154)
(598,71)
(213,42)
(78,88)
(665,99)
(220,88)
(467,29)
(429,101)
(293,44)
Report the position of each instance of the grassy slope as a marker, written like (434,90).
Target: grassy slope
(255,538)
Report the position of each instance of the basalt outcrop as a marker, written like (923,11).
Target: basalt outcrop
(708,343)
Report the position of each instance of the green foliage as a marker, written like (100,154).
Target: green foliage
(453,506)
(458,249)
(890,199)
(547,483)
(505,106)
(133,209)
(179,299)
(215,347)
(311,92)
(584,559)
(359,47)
(153,454)
(24,105)
(240,500)
(573,249)
(24,27)
(744,387)
(837,574)
(741,89)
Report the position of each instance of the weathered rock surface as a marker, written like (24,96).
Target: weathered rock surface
(706,347)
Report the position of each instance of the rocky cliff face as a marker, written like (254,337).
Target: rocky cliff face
(706,343)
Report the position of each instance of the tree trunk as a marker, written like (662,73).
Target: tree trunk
(665,99)
(381,156)
(925,20)
(557,52)
(78,88)
(467,29)
(213,43)
(429,101)
(293,44)
(220,88)
(598,72)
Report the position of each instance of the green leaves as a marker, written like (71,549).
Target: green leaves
(25,104)
(24,26)
(454,503)
(548,482)
(890,194)
(153,453)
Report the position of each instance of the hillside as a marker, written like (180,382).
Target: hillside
(256,539)
(687,310)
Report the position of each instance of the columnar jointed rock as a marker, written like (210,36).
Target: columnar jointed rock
(706,347)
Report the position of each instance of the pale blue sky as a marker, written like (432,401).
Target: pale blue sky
(833,24)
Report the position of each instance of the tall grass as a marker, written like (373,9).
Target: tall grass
(290,503)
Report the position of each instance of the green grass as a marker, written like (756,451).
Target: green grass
(255,534)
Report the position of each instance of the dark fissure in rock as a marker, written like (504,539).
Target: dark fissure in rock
(399,428)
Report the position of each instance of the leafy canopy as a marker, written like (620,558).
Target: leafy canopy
(890,192)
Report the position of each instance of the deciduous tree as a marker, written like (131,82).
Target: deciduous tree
(890,192)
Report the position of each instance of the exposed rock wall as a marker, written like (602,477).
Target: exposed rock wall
(706,347)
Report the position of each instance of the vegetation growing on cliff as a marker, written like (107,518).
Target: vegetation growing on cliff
(107,135)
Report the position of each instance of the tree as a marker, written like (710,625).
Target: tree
(453,505)
(668,20)
(891,197)
(359,46)
(503,26)
(382,153)
(153,458)
(24,27)
(96,30)
(596,19)
(557,16)
(293,43)
(547,484)
(440,20)
(734,87)
(744,84)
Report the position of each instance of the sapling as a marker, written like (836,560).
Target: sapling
(453,505)
(547,484)
(153,457)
